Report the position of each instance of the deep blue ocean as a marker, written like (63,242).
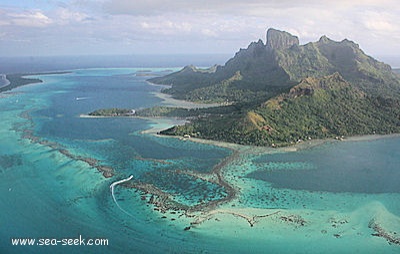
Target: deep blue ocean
(46,194)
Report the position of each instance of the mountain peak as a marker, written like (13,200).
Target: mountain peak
(324,39)
(280,39)
(279,92)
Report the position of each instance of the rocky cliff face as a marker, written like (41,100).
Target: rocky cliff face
(280,40)
(282,63)
(281,92)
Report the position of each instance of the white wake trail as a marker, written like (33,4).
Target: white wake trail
(112,192)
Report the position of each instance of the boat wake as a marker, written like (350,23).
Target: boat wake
(81,98)
(113,196)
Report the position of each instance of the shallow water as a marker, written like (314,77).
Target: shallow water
(337,188)
(355,167)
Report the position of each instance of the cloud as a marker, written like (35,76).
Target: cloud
(181,26)
(162,26)
(226,18)
(156,7)
(64,15)
(27,19)
(233,7)
(209,33)
(381,21)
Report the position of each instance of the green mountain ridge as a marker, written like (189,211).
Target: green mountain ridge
(282,63)
(281,92)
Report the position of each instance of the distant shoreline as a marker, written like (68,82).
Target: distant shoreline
(293,148)
(304,145)
(4,80)
(20,79)
(160,123)
(370,137)
(168,100)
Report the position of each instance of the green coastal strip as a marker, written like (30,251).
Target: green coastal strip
(20,79)
(161,111)
(281,93)
(17,80)
(157,111)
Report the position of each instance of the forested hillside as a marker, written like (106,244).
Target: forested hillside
(282,92)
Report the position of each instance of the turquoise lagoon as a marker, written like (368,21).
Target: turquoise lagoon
(329,198)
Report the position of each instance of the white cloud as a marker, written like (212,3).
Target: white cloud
(208,25)
(164,27)
(63,16)
(236,7)
(208,32)
(29,19)
(381,21)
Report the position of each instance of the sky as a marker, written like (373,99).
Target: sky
(110,27)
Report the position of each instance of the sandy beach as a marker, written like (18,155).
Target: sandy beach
(169,101)
(370,137)
(164,123)
(161,123)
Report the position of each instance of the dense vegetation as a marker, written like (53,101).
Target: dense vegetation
(252,74)
(112,112)
(316,108)
(281,93)
(264,71)
(163,111)
(17,80)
